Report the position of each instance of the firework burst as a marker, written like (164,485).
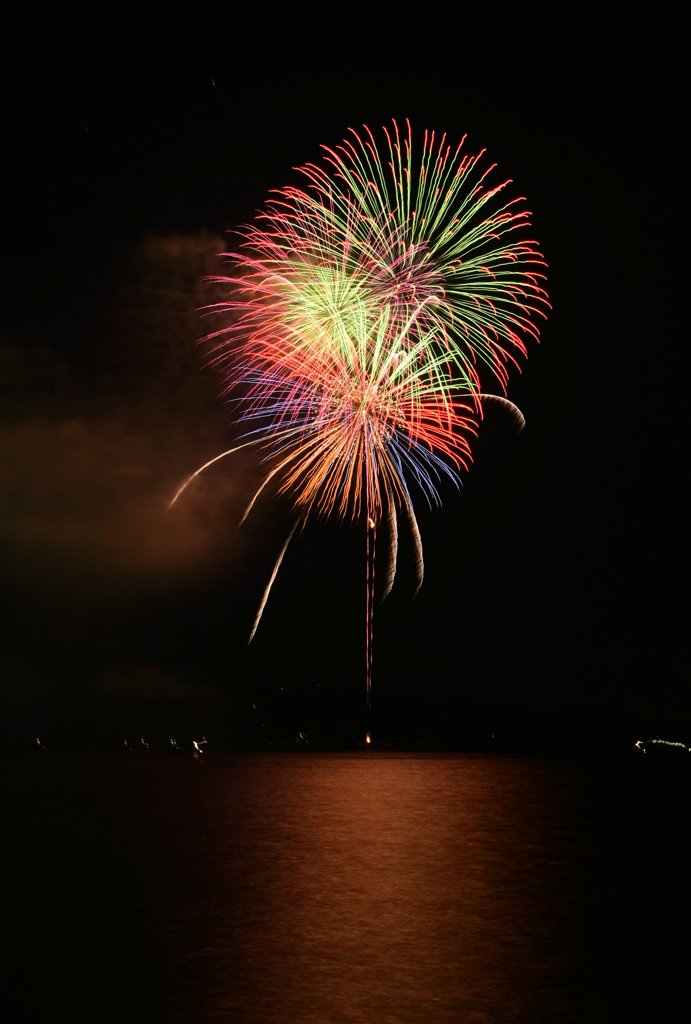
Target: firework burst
(371,315)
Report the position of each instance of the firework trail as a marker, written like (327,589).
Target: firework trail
(372,314)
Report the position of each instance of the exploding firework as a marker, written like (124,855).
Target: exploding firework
(368,318)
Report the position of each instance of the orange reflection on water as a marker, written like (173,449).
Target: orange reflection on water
(399,888)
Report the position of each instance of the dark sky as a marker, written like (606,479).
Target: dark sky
(555,580)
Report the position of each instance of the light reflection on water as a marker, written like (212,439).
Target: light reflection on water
(301,888)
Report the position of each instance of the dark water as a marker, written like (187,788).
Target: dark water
(310,888)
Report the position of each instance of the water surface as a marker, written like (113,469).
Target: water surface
(355,889)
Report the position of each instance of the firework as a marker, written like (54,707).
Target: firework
(370,314)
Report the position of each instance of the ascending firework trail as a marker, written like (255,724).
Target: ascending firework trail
(368,318)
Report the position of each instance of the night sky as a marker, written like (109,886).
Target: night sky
(555,580)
